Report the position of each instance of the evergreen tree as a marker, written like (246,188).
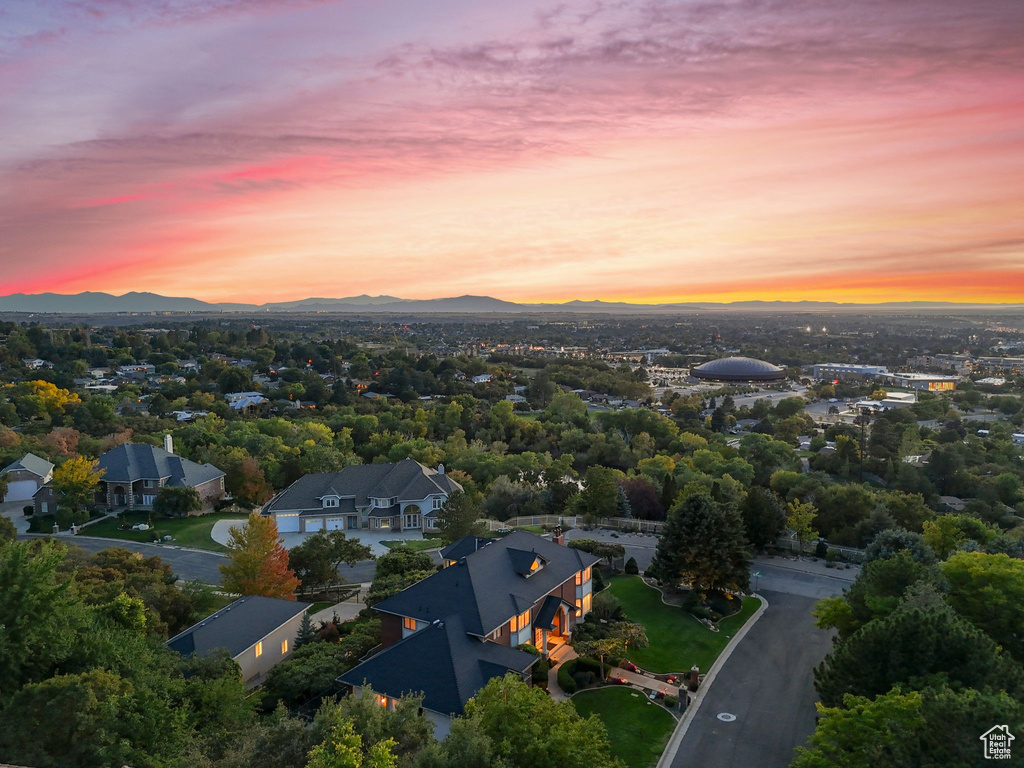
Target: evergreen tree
(920,644)
(459,517)
(624,508)
(703,545)
(763,517)
(306,633)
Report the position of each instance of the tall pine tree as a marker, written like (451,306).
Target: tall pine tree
(703,546)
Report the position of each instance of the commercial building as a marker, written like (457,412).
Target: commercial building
(923,381)
(842,371)
(728,369)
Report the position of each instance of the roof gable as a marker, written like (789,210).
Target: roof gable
(136,461)
(484,588)
(442,662)
(30,463)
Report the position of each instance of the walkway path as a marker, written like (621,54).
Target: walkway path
(345,610)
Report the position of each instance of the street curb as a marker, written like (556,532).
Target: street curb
(676,739)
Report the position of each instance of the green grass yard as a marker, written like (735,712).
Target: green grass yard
(415,545)
(184,531)
(637,728)
(677,639)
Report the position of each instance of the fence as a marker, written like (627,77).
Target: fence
(849,554)
(632,524)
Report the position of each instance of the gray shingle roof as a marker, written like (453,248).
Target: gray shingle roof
(236,627)
(30,463)
(408,480)
(484,589)
(442,662)
(467,545)
(134,461)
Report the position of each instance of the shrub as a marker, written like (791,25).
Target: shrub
(41,524)
(29,510)
(671,701)
(593,666)
(632,567)
(606,606)
(821,549)
(565,681)
(597,581)
(583,679)
(540,672)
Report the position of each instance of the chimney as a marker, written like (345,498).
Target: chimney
(168,443)
(440,469)
(558,536)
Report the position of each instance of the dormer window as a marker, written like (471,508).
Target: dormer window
(330,501)
(436,502)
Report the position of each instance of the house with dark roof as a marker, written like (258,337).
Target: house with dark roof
(133,473)
(257,632)
(26,476)
(398,497)
(445,637)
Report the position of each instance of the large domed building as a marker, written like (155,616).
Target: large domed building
(738,369)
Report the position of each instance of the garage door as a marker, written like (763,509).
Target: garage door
(287,523)
(337,524)
(314,524)
(21,490)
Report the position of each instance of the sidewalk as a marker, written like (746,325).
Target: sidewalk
(647,683)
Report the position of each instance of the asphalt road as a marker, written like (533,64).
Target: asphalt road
(768,684)
(193,565)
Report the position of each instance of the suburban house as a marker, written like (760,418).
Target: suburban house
(133,473)
(248,403)
(396,497)
(448,635)
(257,632)
(26,476)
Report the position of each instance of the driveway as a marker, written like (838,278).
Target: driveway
(15,510)
(373,539)
(768,681)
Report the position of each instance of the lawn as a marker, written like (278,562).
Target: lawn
(184,531)
(677,639)
(637,728)
(415,545)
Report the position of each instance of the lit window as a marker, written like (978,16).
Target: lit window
(579,607)
(259,649)
(383,701)
(586,603)
(409,623)
(579,578)
(586,574)
(520,622)
(284,647)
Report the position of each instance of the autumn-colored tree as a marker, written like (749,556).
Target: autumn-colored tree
(257,561)
(76,480)
(63,441)
(46,398)
(252,485)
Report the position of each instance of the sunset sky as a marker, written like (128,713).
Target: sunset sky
(265,150)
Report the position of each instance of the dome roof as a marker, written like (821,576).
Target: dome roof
(738,369)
